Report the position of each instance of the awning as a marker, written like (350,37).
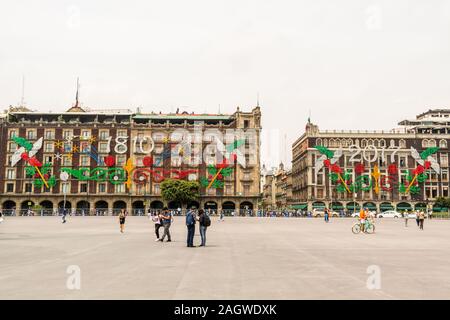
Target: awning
(337,206)
(353,206)
(301,206)
(420,206)
(440,209)
(318,205)
(386,207)
(370,206)
(404,206)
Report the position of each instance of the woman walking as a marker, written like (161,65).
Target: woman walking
(156,218)
(421,219)
(122,216)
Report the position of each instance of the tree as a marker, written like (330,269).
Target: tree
(442,202)
(180,190)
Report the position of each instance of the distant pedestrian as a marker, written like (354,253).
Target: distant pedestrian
(327,215)
(421,219)
(166,222)
(204,222)
(190,224)
(221,216)
(122,216)
(64,214)
(1,216)
(156,218)
(417,218)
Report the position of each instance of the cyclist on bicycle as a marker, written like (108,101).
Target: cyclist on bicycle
(362,218)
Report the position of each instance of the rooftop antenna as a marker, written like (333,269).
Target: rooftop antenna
(309,116)
(22,101)
(257,99)
(78,88)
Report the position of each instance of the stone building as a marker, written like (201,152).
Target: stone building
(81,142)
(377,165)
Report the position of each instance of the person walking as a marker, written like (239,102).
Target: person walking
(417,218)
(221,216)
(156,218)
(204,221)
(190,224)
(327,215)
(122,216)
(1,216)
(64,214)
(421,219)
(166,222)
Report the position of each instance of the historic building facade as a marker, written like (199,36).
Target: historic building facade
(380,170)
(105,160)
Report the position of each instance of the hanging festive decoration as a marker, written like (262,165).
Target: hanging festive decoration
(27,152)
(376,180)
(330,160)
(216,175)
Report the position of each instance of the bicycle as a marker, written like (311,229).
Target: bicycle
(369,227)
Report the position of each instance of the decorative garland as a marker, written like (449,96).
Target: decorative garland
(375,180)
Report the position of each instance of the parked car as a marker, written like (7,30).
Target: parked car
(318,214)
(356,214)
(389,214)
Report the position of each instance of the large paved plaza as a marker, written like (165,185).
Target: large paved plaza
(246,258)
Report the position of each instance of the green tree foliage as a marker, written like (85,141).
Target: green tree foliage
(179,190)
(442,202)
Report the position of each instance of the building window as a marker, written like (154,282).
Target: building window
(122,133)
(84,161)
(228,190)
(10,187)
(85,134)
(121,159)
(102,187)
(67,161)
(65,188)
(67,134)
(49,134)
(402,144)
(156,189)
(443,144)
(104,134)
(444,160)
(85,146)
(119,188)
(12,133)
(83,187)
(10,174)
(31,135)
(103,147)
(67,146)
(28,187)
(49,147)
(12,147)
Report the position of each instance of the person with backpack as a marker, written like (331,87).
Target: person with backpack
(190,224)
(204,221)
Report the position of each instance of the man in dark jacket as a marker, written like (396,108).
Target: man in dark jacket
(190,224)
(203,222)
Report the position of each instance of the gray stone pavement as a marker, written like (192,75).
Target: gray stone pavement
(246,258)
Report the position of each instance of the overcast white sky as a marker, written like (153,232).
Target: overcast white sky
(356,64)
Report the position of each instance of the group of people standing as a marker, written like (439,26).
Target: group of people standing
(164,219)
